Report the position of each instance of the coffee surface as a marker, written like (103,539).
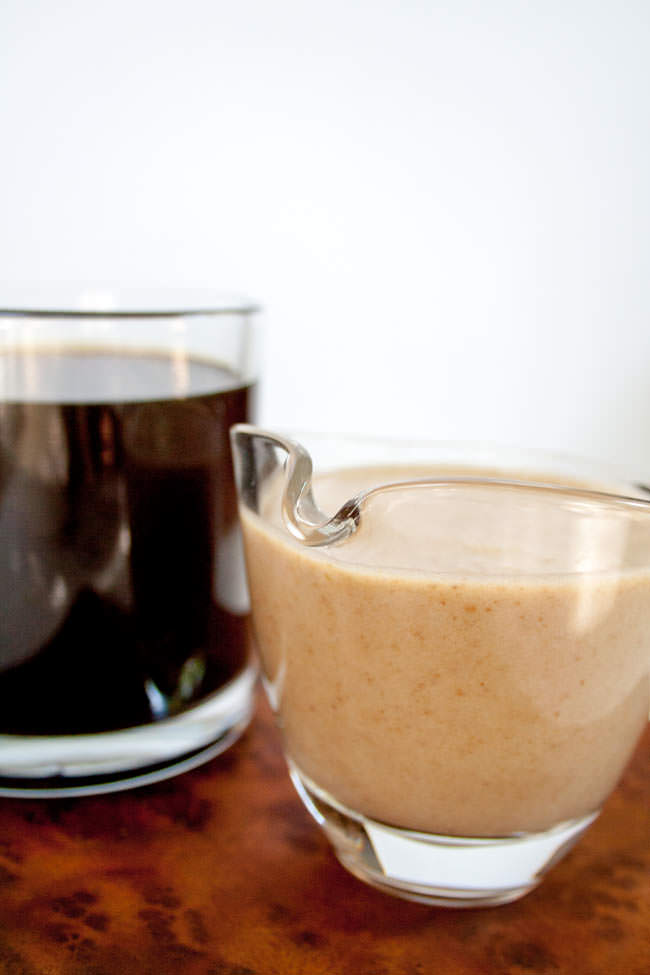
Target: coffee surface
(443,672)
(121,591)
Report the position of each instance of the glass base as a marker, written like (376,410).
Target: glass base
(40,766)
(447,871)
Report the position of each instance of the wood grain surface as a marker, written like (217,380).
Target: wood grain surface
(222,872)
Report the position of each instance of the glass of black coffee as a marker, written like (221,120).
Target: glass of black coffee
(124,655)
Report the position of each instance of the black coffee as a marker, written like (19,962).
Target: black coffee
(121,590)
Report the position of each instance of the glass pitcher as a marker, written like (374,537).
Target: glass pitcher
(457,655)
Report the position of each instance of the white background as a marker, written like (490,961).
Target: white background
(443,207)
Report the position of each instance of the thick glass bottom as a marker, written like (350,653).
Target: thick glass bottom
(447,871)
(35,766)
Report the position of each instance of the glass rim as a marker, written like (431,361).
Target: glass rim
(476,454)
(112,301)
(569,492)
(485,449)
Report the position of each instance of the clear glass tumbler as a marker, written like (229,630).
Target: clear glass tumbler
(458,653)
(123,633)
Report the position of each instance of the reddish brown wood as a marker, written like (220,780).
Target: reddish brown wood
(221,872)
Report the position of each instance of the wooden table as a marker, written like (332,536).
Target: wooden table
(221,872)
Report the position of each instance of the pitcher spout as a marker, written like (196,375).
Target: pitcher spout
(260,458)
